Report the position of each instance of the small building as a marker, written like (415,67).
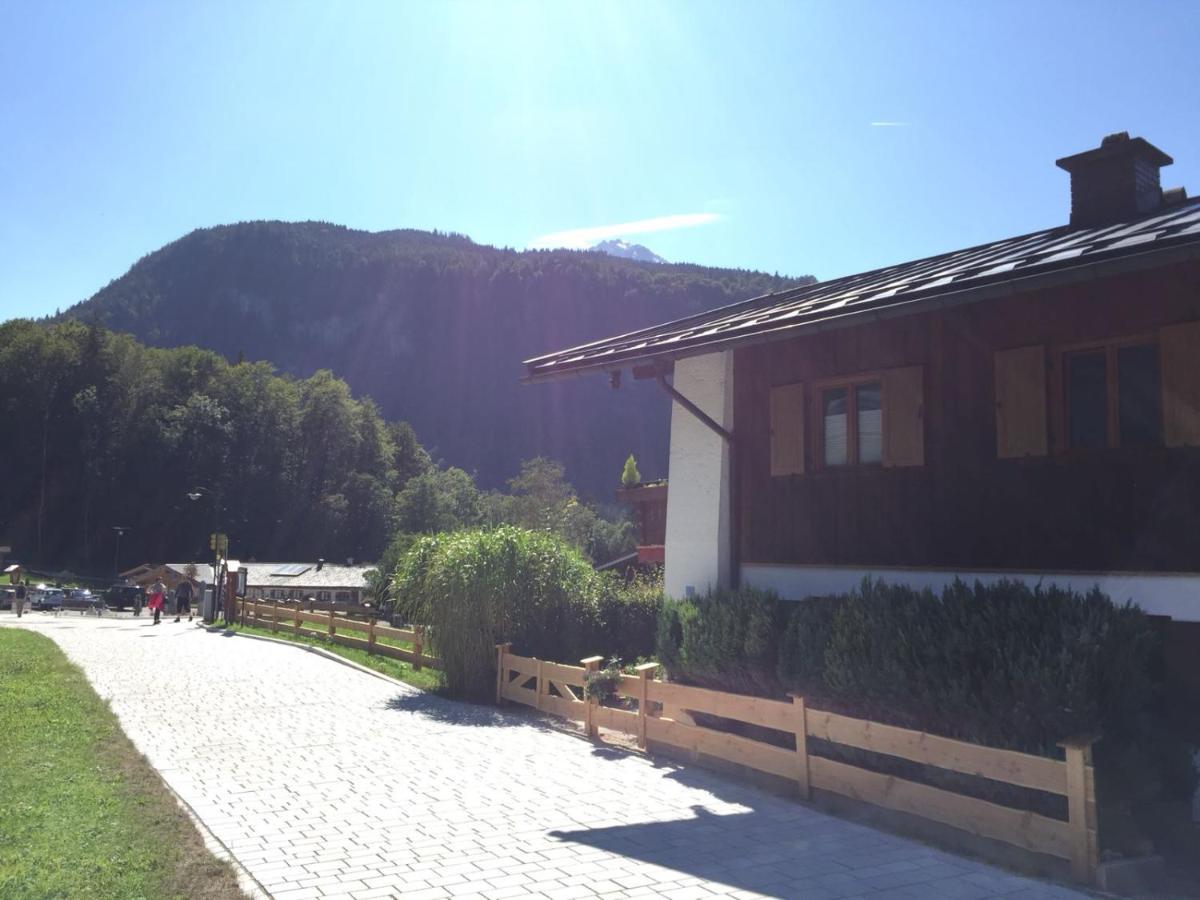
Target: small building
(1027,409)
(269,580)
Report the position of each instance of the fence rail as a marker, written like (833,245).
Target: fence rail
(380,640)
(663,714)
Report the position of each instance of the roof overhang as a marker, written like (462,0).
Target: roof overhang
(1165,253)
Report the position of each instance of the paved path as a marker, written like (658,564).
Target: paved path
(326,782)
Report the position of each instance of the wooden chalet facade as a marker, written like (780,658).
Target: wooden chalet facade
(1027,409)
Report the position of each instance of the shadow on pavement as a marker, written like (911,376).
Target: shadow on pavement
(457,712)
(742,850)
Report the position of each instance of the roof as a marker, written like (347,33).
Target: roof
(1054,255)
(268,574)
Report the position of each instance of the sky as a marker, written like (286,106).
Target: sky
(790,137)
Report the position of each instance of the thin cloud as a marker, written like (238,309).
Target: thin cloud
(582,238)
(890,124)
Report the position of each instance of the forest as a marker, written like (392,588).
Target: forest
(101,431)
(434,328)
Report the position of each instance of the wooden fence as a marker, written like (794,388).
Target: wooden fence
(293,618)
(662,715)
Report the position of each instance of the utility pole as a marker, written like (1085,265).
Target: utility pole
(120,530)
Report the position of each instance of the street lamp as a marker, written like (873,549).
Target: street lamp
(120,530)
(195,494)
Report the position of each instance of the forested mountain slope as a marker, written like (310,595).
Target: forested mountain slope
(101,431)
(433,327)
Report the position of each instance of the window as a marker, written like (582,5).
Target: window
(1113,396)
(852,424)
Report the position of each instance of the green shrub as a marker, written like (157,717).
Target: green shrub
(630,475)
(801,664)
(474,589)
(1000,664)
(629,611)
(724,639)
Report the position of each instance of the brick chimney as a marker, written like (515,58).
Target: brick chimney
(1116,181)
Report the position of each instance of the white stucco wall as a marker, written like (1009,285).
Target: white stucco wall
(1174,595)
(698,502)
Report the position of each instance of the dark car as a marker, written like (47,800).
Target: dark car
(49,599)
(125,596)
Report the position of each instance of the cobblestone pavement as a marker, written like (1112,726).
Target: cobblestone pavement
(324,781)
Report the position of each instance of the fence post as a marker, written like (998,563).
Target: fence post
(541,685)
(501,649)
(244,602)
(800,714)
(371,635)
(275,617)
(643,671)
(591,664)
(1081,807)
(332,627)
(418,645)
(296,621)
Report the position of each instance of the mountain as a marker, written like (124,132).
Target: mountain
(626,250)
(433,327)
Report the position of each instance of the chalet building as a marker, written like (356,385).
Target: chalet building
(269,581)
(1027,409)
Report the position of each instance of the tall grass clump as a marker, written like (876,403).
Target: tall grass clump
(474,589)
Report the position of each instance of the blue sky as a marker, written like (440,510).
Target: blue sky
(745,129)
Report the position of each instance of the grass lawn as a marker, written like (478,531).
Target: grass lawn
(427,679)
(82,814)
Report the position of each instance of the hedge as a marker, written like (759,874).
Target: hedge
(474,589)
(998,664)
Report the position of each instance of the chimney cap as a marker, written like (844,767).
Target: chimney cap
(1116,145)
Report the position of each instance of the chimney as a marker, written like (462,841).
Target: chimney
(1116,181)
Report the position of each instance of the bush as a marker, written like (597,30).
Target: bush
(628,615)
(801,664)
(725,639)
(474,589)
(1001,664)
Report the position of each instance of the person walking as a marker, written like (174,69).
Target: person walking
(158,595)
(19,599)
(183,600)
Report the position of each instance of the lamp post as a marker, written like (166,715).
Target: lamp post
(120,530)
(195,494)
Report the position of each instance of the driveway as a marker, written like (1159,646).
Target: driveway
(324,782)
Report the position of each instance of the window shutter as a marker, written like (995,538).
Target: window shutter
(787,429)
(1179,349)
(904,417)
(1020,376)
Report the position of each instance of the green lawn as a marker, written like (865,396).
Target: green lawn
(427,679)
(82,814)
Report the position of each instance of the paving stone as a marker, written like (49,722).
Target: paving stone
(326,781)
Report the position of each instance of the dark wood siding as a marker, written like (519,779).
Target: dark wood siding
(1102,510)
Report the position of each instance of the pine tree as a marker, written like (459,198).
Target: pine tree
(630,476)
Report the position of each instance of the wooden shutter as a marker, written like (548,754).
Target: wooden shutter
(904,417)
(787,429)
(1020,377)
(1179,348)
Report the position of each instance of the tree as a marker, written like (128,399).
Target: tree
(630,475)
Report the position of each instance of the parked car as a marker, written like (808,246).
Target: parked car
(51,598)
(124,596)
(82,598)
(7,595)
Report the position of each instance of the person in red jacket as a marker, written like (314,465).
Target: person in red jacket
(158,594)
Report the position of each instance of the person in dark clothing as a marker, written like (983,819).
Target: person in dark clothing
(183,600)
(19,600)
